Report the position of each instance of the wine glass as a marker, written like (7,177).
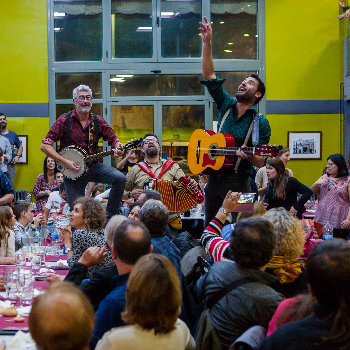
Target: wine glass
(8,272)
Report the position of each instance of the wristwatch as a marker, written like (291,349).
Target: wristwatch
(223,210)
(128,195)
(68,250)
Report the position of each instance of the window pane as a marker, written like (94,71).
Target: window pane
(231,84)
(66,83)
(179,20)
(131,122)
(235,29)
(179,122)
(78,30)
(155,85)
(132,28)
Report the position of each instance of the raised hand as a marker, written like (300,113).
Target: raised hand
(206,30)
(93,256)
(230,201)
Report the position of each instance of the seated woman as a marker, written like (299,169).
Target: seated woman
(45,183)
(282,190)
(134,210)
(7,236)
(153,304)
(88,218)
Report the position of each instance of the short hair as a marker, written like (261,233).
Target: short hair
(2,114)
(112,225)
(154,214)
(93,213)
(81,88)
(253,242)
(153,295)
(62,187)
(258,210)
(19,208)
(339,161)
(130,246)
(61,318)
(289,232)
(135,204)
(150,134)
(261,87)
(283,151)
(152,194)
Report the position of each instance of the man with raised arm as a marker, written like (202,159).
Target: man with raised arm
(83,129)
(242,111)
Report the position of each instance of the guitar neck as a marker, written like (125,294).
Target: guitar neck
(99,155)
(227,151)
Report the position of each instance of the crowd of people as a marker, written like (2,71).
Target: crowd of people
(136,280)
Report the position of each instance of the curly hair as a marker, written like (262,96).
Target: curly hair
(93,213)
(289,231)
(5,224)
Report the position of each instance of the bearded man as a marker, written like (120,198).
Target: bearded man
(242,112)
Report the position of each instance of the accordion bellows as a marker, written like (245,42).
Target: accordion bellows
(177,195)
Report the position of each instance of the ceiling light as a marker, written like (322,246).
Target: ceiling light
(167,14)
(222,22)
(144,29)
(57,29)
(246,34)
(124,76)
(230,43)
(120,80)
(59,14)
(228,50)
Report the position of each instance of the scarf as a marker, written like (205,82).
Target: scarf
(286,269)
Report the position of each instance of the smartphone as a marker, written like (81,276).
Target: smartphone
(41,278)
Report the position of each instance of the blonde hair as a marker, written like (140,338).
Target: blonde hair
(259,210)
(6,220)
(289,231)
(153,294)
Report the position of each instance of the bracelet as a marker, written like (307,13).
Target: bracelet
(223,210)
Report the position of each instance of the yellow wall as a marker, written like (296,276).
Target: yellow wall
(24,76)
(304,61)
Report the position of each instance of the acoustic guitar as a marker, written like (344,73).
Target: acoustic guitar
(82,159)
(208,151)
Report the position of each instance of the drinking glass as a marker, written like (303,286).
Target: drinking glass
(12,285)
(20,258)
(25,244)
(36,261)
(27,294)
(8,271)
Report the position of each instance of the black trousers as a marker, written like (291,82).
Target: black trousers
(340,233)
(219,183)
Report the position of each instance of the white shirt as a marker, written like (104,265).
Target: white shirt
(59,209)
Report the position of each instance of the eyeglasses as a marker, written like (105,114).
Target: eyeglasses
(83,98)
(329,164)
(150,140)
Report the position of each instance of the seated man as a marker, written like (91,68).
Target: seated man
(328,272)
(6,189)
(61,318)
(131,241)
(24,226)
(253,302)
(149,194)
(57,208)
(59,180)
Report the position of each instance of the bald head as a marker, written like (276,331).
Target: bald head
(61,318)
(131,241)
(111,227)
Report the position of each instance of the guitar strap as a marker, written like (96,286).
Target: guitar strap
(167,165)
(223,119)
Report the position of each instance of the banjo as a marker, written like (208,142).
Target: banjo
(81,158)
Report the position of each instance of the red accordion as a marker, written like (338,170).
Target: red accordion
(177,195)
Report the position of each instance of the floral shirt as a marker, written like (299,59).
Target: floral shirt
(42,185)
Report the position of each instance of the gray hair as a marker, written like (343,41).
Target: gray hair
(154,214)
(81,88)
(111,227)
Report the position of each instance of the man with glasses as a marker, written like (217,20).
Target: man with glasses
(80,127)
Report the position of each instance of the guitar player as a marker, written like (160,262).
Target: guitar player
(83,129)
(242,111)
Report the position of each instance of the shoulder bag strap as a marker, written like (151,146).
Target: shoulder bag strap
(68,128)
(229,288)
(223,119)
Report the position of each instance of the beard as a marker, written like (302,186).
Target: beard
(84,109)
(151,152)
(244,97)
(3,126)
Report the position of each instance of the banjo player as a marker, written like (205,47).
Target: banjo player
(82,128)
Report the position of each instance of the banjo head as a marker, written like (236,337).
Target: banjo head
(77,156)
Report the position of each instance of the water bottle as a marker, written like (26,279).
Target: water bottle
(55,239)
(327,231)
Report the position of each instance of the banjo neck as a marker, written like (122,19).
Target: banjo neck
(98,155)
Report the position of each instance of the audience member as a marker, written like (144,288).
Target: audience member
(128,161)
(45,183)
(261,178)
(149,194)
(282,190)
(154,214)
(7,236)
(328,268)
(16,147)
(88,218)
(334,189)
(24,226)
(253,302)
(61,318)
(6,154)
(131,240)
(153,304)
(59,180)
(202,181)
(57,208)
(134,210)
(6,189)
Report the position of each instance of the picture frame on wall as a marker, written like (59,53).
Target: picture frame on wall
(24,158)
(305,145)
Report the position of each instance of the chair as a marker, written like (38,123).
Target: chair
(22,196)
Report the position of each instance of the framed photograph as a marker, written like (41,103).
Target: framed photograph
(305,145)
(24,158)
